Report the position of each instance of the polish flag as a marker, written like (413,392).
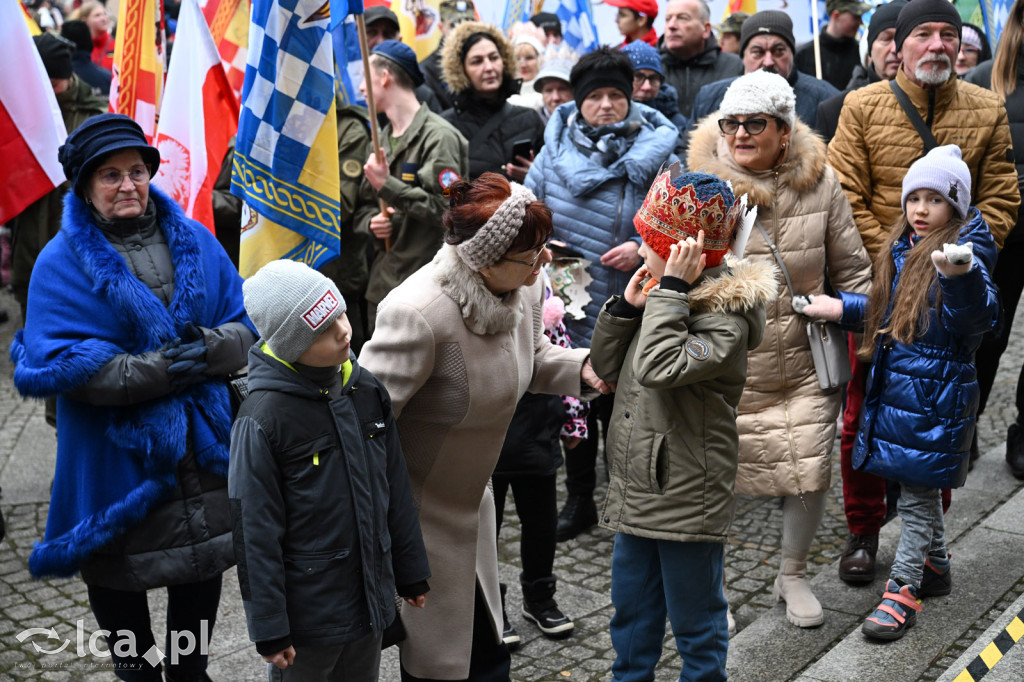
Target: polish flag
(198,118)
(31,126)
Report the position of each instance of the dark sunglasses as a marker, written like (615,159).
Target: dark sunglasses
(753,126)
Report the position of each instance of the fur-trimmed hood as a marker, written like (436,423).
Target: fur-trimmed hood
(452,71)
(483,312)
(738,286)
(800,171)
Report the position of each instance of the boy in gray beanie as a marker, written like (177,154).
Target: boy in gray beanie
(326,528)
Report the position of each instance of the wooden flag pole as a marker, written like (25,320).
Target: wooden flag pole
(372,107)
(817,43)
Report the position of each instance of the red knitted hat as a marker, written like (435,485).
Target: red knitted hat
(680,207)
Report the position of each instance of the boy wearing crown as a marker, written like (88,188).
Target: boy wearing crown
(676,343)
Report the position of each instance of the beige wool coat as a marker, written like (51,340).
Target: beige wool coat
(787,423)
(456,359)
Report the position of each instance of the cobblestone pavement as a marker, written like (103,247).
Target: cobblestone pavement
(582,566)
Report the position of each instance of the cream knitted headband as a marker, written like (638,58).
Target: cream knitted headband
(491,241)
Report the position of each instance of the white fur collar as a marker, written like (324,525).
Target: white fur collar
(483,312)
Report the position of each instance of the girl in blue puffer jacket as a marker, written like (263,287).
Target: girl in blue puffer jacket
(931,301)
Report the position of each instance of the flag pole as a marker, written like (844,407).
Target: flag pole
(817,43)
(372,107)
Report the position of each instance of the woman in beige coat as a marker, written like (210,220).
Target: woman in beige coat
(457,345)
(787,423)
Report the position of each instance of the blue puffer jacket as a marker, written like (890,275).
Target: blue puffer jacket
(921,404)
(593,206)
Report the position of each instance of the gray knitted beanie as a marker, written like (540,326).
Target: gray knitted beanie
(291,304)
(943,171)
(491,241)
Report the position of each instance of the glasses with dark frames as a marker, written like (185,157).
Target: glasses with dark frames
(753,126)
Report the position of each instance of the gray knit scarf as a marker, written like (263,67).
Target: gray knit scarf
(605,144)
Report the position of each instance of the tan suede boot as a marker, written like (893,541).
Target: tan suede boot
(802,607)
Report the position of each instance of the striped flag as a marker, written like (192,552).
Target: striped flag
(995,13)
(286,154)
(198,117)
(31,126)
(138,63)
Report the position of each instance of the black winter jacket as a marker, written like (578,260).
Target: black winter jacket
(981,75)
(688,76)
(325,522)
(472,112)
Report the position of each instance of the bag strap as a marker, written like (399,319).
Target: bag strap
(778,257)
(920,126)
(484,131)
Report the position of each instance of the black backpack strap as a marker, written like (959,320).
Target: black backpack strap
(915,118)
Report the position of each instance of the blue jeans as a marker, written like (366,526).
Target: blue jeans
(923,532)
(655,578)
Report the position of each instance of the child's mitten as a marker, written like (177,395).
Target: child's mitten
(954,259)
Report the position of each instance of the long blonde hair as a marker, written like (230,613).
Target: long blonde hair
(916,293)
(1007,59)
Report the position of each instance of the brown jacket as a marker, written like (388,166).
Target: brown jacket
(456,359)
(786,422)
(672,444)
(875,144)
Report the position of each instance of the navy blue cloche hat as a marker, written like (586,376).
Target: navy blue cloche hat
(402,55)
(98,138)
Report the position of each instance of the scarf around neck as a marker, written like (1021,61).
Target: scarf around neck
(605,144)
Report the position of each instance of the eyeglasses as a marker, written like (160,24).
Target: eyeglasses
(528,264)
(111,177)
(654,79)
(753,126)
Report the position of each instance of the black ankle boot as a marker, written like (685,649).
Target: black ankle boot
(1015,448)
(578,514)
(508,635)
(539,607)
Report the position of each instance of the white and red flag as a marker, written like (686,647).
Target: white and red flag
(31,126)
(198,118)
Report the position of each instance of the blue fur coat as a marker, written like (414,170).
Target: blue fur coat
(85,306)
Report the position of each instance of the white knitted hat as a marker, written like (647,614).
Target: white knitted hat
(291,304)
(760,92)
(941,170)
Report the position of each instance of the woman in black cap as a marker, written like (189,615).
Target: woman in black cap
(479,67)
(134,328)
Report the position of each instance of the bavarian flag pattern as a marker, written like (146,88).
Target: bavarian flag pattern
(286,155)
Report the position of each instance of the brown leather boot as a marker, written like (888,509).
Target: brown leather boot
(857,566)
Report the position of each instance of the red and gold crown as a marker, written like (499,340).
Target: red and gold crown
(679,205)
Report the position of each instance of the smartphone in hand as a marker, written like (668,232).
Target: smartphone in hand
(521,148)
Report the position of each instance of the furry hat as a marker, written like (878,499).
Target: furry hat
(291,304)
(452,56)
(760,92)
(941,170)
(679,205)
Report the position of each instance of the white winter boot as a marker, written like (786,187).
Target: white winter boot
(802,607)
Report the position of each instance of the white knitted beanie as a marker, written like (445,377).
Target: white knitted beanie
(760,92)
(291,304)
(941,170)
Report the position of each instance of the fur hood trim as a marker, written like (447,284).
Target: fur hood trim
(800,171)
(452,71)
(482,311)
(741,285)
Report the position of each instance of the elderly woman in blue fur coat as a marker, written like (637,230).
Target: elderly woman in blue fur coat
(133,325)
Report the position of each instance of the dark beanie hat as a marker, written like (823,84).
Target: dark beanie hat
(768,21)
(98,138)
(56,54)
(379,13)
(605,67)
(77,31)
(402,55)
(883,19)
(917,12)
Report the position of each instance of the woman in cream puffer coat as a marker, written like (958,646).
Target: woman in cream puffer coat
(787,423)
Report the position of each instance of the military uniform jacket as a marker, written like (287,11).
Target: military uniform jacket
(428,157)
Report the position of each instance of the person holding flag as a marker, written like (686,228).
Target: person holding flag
(425,155)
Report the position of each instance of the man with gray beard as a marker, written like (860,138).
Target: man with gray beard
(871,152)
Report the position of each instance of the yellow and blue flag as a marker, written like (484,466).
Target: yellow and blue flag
(995,13)
(286,154)
(346,51)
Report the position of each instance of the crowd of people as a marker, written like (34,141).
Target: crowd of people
(556,257)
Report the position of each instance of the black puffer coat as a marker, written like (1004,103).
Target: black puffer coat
(471,112)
